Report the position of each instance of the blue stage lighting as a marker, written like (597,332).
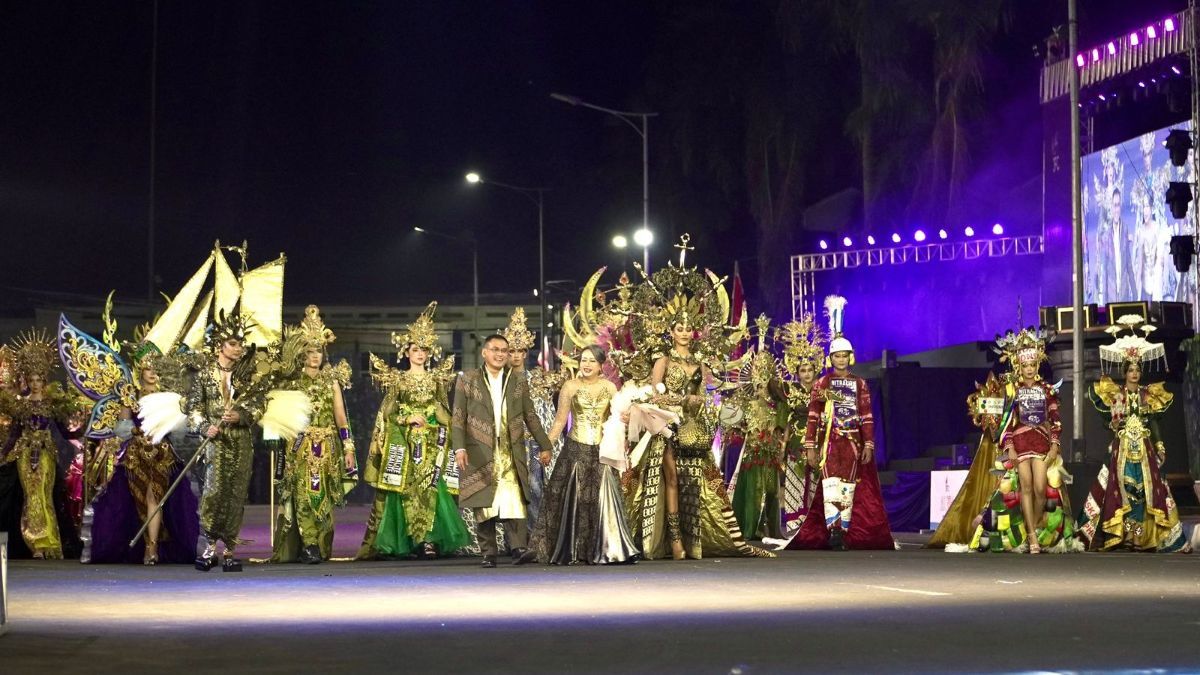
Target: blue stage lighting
(919,235)
(895,238)
(997,229)
(823,244)
(847,242)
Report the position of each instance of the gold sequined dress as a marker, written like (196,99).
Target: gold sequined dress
(582,517)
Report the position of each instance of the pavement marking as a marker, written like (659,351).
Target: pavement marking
(898,590)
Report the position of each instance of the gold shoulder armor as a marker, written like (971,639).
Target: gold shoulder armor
(1158,398)
(1106,390)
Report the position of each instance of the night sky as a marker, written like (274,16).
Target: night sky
(329,130)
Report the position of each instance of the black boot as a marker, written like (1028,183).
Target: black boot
(230,563)
(207,558)
(837,539)
(311,555)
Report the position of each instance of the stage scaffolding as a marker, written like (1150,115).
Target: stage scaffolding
(804,267)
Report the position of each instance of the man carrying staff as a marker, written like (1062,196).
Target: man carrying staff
(492,411)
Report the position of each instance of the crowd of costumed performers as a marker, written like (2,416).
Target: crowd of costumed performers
(146,456)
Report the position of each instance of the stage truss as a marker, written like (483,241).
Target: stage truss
(804,268)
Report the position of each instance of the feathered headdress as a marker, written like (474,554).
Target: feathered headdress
(517,333)
(420,332)
(803,343)
(1131,348)
(34,353)
(835,312)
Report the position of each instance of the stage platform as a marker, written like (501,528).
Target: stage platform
(909,610)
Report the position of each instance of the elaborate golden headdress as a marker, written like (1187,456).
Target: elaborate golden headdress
(803,343)
(34,353)
(231,326)
(1026,346)
(312,332)
(420,332)
(1131,348)
(517,333)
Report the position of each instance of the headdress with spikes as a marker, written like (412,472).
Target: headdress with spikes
(312,332)
(34,353)
(420,332)
(517,333)
(803,343)
(233,325)
(1131,348)
(6,367)
(1026,346)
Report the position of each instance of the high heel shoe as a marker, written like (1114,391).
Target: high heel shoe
(675,536)
(151,555)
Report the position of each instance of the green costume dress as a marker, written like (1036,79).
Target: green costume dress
(412,470)
(314,479)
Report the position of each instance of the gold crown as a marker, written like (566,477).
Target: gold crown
(420,332)
(34,353)
(6,366)
(312,330)
(1026,346)
(803,343)
(517,333)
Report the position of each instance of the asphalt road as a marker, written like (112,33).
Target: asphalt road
(907,611)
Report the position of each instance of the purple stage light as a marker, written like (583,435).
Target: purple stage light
(1151,33)
(823,244)
(1175,69)
(1095,55)
(1080,60)
(1134,38)
(969,231)
(870,240)
(1102,97)
(1112,48)
(895,238)
(942,234)
(1142,85)
(1169,25)
(997,229)
(919,235)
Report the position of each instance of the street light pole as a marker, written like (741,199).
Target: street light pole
(540,202)
(474,273)
(643,131)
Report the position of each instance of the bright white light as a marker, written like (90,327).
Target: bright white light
(870,240)
(942,234)
(549,307)
(620,241)
(1134,38)
(1112,48)
(550,325)
(473,178)
(895,237)
(969,231)
(418,229)
(847,242)
(919,235)
(997,229)
(643,237)
(535,292)
(1080,60)
(823,244)
(1095,55)
(1169,25)
(1151,33)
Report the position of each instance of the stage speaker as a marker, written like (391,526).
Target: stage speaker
(1176,314)
(1062,319)
(1116,310)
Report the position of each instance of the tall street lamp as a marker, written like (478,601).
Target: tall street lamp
(474,273)
(643,131)
(537,196)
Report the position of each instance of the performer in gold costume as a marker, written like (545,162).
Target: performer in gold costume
(217,411)
(319,468)
(409,462)
(803,357)
(583,518)
(41,407)
(1130,504)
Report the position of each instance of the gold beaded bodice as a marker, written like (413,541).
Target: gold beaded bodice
(677,380)
(589,409)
